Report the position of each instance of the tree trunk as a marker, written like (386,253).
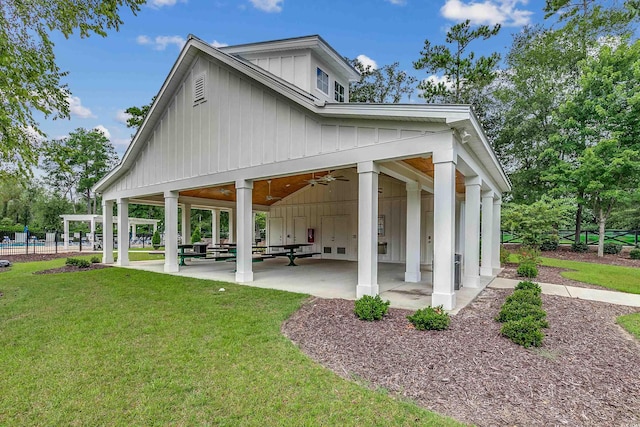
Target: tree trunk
(89,202)
(578,224)
(602,221)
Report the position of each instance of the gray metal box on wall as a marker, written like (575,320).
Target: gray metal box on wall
(457,273)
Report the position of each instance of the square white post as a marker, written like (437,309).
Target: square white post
(412,270)
(107,231)
(244,205)
(472,232)
(65,244)
(134,230)
(367,229)
(92,229)
(444,205)
(171,232)
(232,225)
(123,232)
(215,226)
(186,224)
(495,255)
(487,233)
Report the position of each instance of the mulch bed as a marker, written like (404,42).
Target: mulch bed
(586,372)
(39,257)
(565,252)
(546,275)
(72,269)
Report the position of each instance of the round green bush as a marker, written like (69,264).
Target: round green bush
(195,236)
(371,308)
(155,239)
(549,245)
(612,248)
(529,286)
(430,318)
(527,269)
(580,247)
(516,311)
(634,254)
(95,260)
(525,332)
(525,296)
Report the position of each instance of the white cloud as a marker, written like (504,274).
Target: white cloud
(398,2)
(121,142)
(104,130)
(367,62)
(488,12)
(216,43)
(268,5)
(122,116)
(161,42)
(162,3)
(437,80)
(77,109)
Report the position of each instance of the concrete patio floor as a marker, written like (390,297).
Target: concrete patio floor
(322,278)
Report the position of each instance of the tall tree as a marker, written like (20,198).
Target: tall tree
(30,80)
(77,162)
(602,115)
(465,77)
(380,85)
(138,114)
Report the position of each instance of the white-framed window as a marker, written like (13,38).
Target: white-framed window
(322,81)
(338,92)
(199,89)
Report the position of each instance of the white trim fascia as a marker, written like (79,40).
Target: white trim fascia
(485,142)
(442,112)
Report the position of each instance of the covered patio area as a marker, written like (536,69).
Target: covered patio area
(323,278)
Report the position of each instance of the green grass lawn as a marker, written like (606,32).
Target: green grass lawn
(624,279)
(124,347)
(631,322)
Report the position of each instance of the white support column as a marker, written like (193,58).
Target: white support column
(155,227)
(123,232)
(186,223)
(215,226)
(486,268)
(444,205)
(232,225)
(244,205)
(134,230)
(107,231)
(171,232)
(412,270)
(367,229)
(66,235)
(471,259)
(495,250)
(92,230)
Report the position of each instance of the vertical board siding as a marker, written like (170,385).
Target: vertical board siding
(241,124)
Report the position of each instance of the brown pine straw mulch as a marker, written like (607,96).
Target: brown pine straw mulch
(586,373)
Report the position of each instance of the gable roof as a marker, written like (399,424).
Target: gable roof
(314,42)
(443,113)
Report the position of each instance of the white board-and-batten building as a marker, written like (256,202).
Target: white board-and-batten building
(268,127)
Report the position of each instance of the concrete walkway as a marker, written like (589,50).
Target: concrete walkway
(611,297)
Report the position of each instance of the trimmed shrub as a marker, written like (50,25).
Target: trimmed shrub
(517,311)
(527,285)
(549,245)
(155,239)
(430,319)
(529,255)
(527,269)
(78,262)
(580,247)
(195,236)
(525,332)
(95,260)
(504,255)
(634,254)
(612,248)
(525,296)
(371,308)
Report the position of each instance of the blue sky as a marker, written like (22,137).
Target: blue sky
(107,75)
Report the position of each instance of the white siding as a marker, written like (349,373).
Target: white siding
(292,66)
(341,198)
(241,125)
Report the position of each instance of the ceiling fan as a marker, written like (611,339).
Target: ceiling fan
(329,177)
(313,181)
(269,196)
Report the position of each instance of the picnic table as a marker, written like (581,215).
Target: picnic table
(290,252)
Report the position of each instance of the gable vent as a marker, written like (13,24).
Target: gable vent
(199,89)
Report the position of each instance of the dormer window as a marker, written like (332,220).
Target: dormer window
(322,81)
(338,93)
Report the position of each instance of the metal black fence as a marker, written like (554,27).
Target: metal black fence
(566,237)
(25,243)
